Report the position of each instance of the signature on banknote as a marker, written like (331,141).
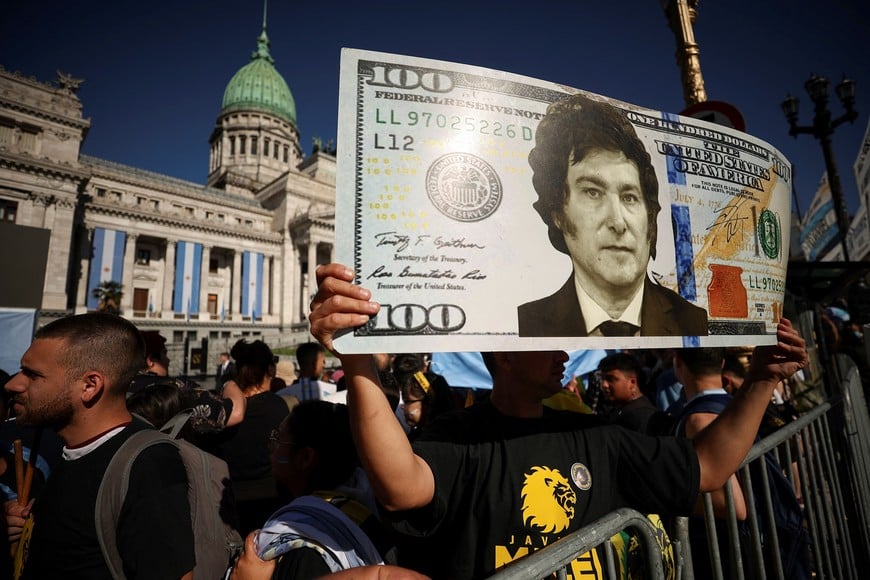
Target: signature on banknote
(425,241)
(436,273)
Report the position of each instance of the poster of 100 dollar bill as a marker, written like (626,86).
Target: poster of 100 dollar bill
(490,211)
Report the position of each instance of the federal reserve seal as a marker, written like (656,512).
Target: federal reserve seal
(463,187)
(769,235)
(581,477)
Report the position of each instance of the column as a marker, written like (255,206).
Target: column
(165,306)
(203,283)
(127,275)
(57,216)
(286,289)
(266,290)
(85,242)
(236,302)
(311,286)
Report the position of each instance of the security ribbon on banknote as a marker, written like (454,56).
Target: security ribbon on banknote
(435,214)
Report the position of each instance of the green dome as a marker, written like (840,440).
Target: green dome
(258,86)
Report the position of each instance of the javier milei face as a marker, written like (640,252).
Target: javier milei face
(605,225)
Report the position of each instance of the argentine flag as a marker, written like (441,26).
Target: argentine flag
(466,369)
(252,283)
(188,266)
(107,261)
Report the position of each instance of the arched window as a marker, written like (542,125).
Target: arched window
(232,145)
(242,145)
(286,154)
(253,145)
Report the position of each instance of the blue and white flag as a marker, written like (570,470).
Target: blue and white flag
(188,267)
(252,283)
(107,260)
(466,369)
(819,232)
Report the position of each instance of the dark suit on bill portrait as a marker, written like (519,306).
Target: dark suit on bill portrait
(663,313)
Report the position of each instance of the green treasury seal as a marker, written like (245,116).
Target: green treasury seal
(769,237)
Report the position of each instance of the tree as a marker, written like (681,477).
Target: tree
(109,294)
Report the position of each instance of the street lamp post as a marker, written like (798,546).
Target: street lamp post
(822,128)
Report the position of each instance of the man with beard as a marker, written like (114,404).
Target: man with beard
(74,378)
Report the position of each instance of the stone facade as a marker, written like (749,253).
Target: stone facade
(265,202)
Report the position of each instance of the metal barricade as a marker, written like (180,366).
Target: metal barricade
(836,509)
(556,557)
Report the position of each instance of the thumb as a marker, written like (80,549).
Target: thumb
(26,511)
(251,542)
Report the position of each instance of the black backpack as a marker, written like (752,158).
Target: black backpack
(794,540)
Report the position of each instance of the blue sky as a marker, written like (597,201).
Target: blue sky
(155,71)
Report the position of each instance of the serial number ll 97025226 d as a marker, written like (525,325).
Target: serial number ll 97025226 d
(454,122)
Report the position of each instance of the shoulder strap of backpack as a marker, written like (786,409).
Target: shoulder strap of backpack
(705,404)
(113,491)
(174,425)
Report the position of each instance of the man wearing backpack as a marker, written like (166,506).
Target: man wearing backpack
(74,378)
(700,372)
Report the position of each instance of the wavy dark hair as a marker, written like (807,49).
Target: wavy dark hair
(571,129)
(254,361)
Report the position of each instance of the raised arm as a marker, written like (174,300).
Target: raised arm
(401,480)
(233,392)
(723,445)
(695,423)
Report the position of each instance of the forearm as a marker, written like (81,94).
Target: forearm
(723,445)
(232,392)
(400,479)
(720,505)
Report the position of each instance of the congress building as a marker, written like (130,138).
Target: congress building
(231,258)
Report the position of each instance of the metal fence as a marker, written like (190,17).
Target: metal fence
(825,457)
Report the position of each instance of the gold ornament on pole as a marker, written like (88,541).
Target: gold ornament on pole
(681,16)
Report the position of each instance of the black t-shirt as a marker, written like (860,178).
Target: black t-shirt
(642,416)
(245,446)
(505,487)
(155,537)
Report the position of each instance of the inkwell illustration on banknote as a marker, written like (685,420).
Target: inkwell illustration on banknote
(491,211)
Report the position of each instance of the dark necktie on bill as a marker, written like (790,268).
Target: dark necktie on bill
(616,328)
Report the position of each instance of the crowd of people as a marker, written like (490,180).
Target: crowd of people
(384,471)
(396,479)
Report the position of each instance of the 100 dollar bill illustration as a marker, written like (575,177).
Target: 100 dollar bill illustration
(490,211)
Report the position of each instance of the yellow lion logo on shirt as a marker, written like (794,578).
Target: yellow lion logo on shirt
(548,500)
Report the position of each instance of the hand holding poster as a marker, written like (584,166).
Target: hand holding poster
(489,211)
